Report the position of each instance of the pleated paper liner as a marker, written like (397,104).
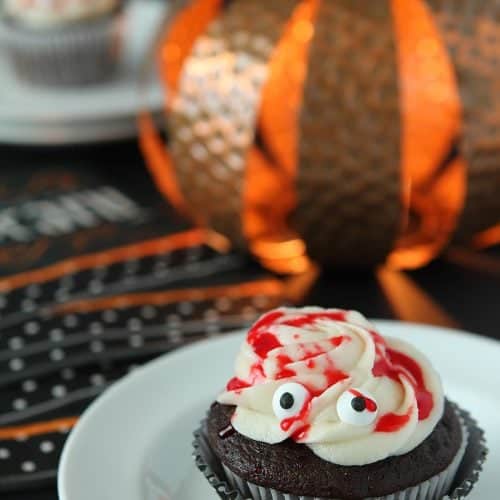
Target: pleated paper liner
(471,31)
(81,53)
(455,482)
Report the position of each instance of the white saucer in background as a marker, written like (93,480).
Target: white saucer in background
(134,442)
(31,114)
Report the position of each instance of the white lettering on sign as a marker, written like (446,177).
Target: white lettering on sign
(68,213)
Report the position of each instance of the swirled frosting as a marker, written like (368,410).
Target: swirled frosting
(49,13)
(328,379)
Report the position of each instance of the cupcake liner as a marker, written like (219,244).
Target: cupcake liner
(458,478)
(472,463)
(78,54)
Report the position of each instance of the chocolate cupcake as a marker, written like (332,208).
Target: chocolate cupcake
(323,407)
(62,42)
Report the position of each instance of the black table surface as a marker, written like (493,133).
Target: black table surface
(460,289)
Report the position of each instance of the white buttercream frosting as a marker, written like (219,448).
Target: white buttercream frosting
(297,375)
(50,13)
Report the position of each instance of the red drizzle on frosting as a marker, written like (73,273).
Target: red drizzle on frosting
(301,434)
(336,341)
(266,321)
(284,372)
(262,340)
(236,384)
(370,405)
(256,374)
(287,423)
(390,422)
(263,343)
(310,363)
(315,349)
(334,375)
(424,398)
(394,364)
(388,363)
(309,319)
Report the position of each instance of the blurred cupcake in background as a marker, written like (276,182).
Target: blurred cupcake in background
(62,42)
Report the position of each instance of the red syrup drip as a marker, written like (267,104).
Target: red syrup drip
(310,354)
(370,405)
(336,341)
(301,434)
(309,319)
(228,431)
(333,376)
(266,320)
(424,397)
(317,349)
(283,372)
(394,364)
(256,373)
(236,384)
(287,423)
(389,363)
(261,340)
(263,343)
(390,422)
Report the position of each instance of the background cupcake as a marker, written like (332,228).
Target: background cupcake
(66,42)
(323,407)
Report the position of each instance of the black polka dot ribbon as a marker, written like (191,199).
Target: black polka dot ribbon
(106,279)
(191,255)
(54,365)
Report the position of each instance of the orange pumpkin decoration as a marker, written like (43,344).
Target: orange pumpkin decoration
(345,131)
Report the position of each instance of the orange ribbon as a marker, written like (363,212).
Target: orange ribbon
(269,287)
(431,121)
(269,196)
(136,250)
(37,428)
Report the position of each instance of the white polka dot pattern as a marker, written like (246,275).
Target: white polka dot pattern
(47,447)
(28,466)
(53,365)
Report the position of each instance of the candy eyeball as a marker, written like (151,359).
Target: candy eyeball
(289,399)
(357,407)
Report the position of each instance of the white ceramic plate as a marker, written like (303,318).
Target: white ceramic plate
(31,114)
(134,442)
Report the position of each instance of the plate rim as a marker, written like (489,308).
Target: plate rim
(185,351)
